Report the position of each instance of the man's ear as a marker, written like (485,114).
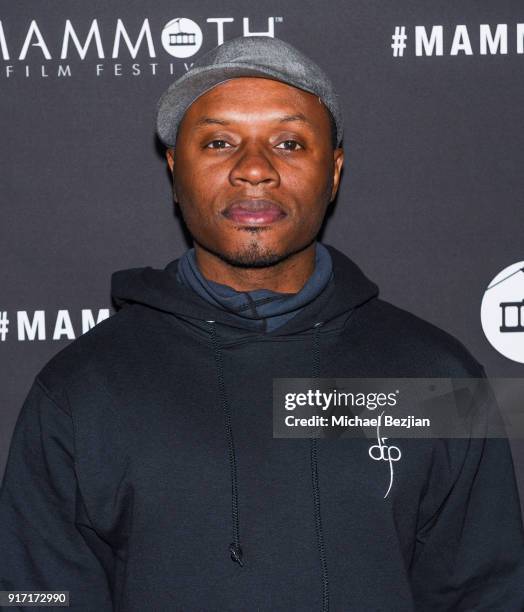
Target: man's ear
(170,156)
(338,159)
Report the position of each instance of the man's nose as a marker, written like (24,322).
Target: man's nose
(254,166)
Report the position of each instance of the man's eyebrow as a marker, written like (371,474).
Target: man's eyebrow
(296,117)
(210,121)
(203,121)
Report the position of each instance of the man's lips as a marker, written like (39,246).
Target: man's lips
(254,212)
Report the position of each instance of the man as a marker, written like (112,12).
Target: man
(143,473)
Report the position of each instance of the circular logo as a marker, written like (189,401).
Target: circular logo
(502,312)
(181,37)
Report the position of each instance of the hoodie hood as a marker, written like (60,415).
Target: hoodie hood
(160,289)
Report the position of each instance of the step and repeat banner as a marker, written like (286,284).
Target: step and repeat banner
(431,198)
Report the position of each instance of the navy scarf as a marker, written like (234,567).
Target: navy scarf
(262,309)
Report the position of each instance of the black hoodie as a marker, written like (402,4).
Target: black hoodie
(143,473)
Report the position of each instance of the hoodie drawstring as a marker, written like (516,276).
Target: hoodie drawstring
(235,549)
(314,479)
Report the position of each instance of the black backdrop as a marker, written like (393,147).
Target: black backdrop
(430,204)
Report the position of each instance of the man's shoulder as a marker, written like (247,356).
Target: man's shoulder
(98,352)
(416,344)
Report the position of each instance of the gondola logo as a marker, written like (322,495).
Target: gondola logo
(182,37)
(502,312)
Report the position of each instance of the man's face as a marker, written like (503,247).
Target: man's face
(254,170)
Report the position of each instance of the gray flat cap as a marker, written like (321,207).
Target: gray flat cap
(260,56)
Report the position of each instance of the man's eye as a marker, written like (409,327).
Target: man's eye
(220,142)
(293,142)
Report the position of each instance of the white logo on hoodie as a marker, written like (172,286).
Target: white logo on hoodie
(383,452)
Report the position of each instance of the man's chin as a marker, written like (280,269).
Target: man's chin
(246,260)
(254,255)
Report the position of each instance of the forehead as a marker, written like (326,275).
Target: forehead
(255,99)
